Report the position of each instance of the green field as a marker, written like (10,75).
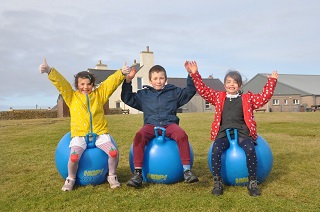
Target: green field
(31,182)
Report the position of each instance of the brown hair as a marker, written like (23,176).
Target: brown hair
(84,75)
(157,69)
(234,75)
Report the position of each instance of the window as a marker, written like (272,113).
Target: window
(139,83)
(275,101)
(296,101)
(117,104)
(207,105)
(285,102)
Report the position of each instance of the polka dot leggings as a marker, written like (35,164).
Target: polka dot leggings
(222,144)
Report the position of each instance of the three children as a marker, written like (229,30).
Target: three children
(159,104)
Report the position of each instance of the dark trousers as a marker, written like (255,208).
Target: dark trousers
(222,144)
(146,134)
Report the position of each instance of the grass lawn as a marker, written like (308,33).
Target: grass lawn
(31,182)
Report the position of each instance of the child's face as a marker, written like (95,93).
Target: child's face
(84,86)
(231,86)
(158,80)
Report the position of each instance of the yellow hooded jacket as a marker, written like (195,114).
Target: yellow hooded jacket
(77,103)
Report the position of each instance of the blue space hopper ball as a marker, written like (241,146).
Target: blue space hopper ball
(93,164)
(233,161)
(161,162)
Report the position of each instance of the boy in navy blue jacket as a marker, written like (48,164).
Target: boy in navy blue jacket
(159,104)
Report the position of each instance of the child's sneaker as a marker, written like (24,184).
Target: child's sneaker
(189,177)
(253,186)
(68,184)
(218,187)
(113,181)
(136,180)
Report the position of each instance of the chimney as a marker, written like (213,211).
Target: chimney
(101,66)
(147,48)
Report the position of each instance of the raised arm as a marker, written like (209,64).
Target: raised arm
(262,98)
(63,86)
(203,90)
(127,96)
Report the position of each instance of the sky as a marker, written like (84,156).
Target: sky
(249,36)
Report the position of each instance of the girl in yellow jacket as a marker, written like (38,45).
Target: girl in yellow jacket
(78,101)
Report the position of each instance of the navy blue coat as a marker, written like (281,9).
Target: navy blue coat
(159,107)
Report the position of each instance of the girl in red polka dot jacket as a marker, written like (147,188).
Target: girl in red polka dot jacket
(234,110)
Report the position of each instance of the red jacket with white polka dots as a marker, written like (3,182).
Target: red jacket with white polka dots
(250,102)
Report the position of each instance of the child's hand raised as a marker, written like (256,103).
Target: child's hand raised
(125,69)
(44,68)
(131,74)
(274,75)
(191,66)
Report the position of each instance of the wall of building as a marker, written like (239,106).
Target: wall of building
(147,61)
(62,108)
(287,103)
(307,101)
(197,104)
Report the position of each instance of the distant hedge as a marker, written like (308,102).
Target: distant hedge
(40,113)
(28,114)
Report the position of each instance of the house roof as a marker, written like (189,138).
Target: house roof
(214,83)
(288,84)
(100,74)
